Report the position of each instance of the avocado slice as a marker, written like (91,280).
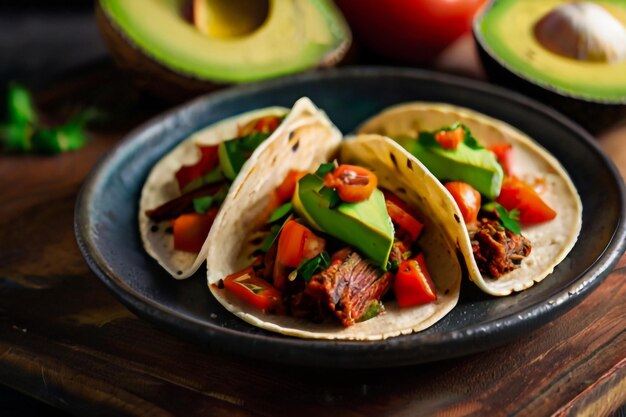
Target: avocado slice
(477,167)
(535,56)
(235,152)
(365,226)
(237,44)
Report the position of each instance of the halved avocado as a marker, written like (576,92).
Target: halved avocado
(524,45)
(239,43)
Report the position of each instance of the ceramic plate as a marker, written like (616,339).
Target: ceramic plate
(107,232)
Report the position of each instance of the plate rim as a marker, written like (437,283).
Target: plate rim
(475,337)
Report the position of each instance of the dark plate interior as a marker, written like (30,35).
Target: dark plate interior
(107,232)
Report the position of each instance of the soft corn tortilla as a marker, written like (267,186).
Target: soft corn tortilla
(161,185)
(231,241)
(550,241)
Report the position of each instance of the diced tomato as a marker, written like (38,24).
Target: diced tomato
(264,124)
(208,160)
(402,216)
(413,284)
(450,139)
(504,154)
(353,183)
(285,191)
(518,195)
(296,242)
(191,230)
(252,289)
(272,204)
(467,198)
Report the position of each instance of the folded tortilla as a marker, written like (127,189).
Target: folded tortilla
(234,235)
(550,241)
(161,185)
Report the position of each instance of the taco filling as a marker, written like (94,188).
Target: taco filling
(204,184)
(518,211)
(335,248)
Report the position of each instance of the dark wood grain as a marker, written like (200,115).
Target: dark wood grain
(65,340)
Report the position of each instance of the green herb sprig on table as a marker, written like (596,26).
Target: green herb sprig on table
(23,132)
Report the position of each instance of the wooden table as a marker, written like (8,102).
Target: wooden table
(65,340)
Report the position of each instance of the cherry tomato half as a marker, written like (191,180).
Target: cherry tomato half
(296,242)
(467,198)
(353,183)
(253,290)
(285,191)
(413,284)
(450,139)
(516,194)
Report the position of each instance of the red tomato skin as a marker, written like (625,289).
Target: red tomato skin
(266,299)
(401,214)
(409,31)
(208,160)
(466,198)
(297,242)
(518,195)
(449,140)
(285,191)
(412,284)
(192,229)
(350,189)
(504,154)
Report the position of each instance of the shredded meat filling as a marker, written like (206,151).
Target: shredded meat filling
(345,289)
(497,250)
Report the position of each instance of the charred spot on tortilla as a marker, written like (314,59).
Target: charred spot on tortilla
(256,241)
(179,272)
(169,230)
(295,146)
(456,217)
(409,164)
(464,270)
(291,135)
(393,159)
(154,228)
(401,190)
(447,291)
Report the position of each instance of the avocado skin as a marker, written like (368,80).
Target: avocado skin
(449,165)
(352,223)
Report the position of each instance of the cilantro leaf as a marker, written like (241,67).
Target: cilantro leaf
(427,140)
(509,219)
(273,235)
(307,269)
(280,212)
(202,204)
(325,169)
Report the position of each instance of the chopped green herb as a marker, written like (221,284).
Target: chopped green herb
(273,235)
(210,177)
(509,219)
(20,106)
(307,269)
(202,204)
(280,212)
(427,139)
(374,309)
(392,265)
(250,142)
(325,169)
(331,196)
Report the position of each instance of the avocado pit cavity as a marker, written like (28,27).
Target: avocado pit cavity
(583,31)
(224,19)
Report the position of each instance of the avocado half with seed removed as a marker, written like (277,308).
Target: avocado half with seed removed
(234,41)
(569,55)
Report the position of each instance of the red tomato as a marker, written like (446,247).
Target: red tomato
(411,31)
(208,160)
(401,215)
(285,191)
(450,139)
(504,153)
(264,124)
(412,284)
(191,230)
(467,198)
(353,183)
(516,194)
(253,290)
(295,243)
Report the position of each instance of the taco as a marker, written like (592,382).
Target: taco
(519,213)
(345,248)
(185,189)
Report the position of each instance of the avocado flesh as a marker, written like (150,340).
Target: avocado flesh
(514,46)
(297,35)
(477,167)
(365,226)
